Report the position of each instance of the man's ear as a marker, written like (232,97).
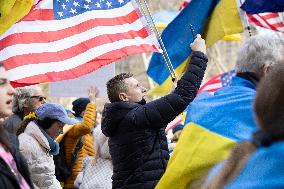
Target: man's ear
(265,69)
(123,97)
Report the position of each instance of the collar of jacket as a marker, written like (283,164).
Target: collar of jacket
(33,130)
(113,114)
(241,81)
(252,77)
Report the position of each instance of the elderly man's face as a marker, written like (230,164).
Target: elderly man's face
(6,94)
(35,101)
(135,92)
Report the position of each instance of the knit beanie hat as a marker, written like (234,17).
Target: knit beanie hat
(79,105)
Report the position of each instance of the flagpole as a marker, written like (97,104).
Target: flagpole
(245,18)
(155,31)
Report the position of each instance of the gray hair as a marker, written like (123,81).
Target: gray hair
(260,50)
(20,96)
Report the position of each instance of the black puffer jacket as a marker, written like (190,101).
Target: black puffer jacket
(7,178)
(137,141)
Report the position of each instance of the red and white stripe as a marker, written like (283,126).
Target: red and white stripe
(184,4)
(40,48)
(273,21)
(212,85)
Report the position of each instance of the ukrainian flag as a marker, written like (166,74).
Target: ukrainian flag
(214,123)
(215,18)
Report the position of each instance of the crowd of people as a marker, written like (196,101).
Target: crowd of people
(234,138)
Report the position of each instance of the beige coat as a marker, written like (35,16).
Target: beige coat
(35,148)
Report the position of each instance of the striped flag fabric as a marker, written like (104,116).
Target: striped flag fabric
(273,21)
(217,82)
(65,39)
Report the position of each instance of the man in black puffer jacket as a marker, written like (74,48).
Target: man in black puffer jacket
(137,141)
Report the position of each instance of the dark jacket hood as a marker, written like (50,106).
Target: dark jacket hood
(113,114)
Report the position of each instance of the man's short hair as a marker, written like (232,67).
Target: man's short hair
(117,85)
(20,96)
(260,50)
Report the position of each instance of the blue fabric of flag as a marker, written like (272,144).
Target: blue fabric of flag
(260,6)
(69,8)
(223,112)
(226,78)
(264,169)
(177,37)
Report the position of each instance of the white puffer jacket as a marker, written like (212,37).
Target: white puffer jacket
(35,148)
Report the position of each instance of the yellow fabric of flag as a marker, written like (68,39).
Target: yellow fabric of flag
(204,148)
(12,11)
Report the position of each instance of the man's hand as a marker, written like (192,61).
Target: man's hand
(198,44)
(93,93)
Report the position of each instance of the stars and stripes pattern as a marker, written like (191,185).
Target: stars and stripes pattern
(65,39)
(217,82)
(273,21)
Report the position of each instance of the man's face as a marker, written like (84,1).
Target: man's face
(35,101)
(135,92)
(6,94)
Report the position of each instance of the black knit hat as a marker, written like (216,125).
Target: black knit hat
(79,105)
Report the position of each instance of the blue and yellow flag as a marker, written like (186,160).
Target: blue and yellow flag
(214,123)
(214,18)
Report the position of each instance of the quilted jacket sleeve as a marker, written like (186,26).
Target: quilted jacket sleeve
(87,124)
(158,113)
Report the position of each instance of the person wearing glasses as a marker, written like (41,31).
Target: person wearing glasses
(25,100)
(37,135)
(14,173)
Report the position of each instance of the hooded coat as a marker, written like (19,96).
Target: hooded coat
(35,148)
(137,140)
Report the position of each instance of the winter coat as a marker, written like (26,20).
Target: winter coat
(137,141)
(101,144)
(35,148)
(71,138)
(7,178)
(99,175)
(12,123)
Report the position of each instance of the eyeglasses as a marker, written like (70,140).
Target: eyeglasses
(40,98)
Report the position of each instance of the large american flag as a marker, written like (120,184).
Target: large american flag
(64,39)
(217,82)
(273,21)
